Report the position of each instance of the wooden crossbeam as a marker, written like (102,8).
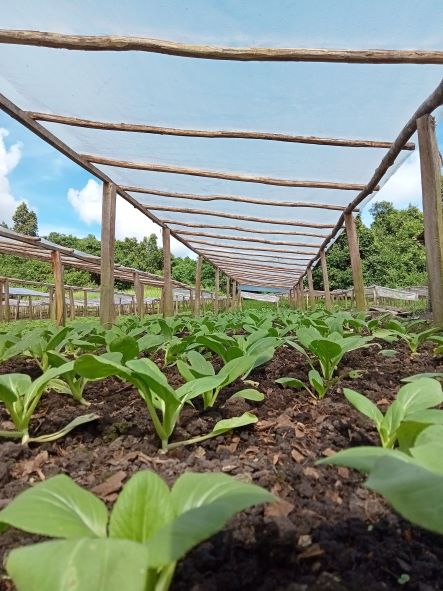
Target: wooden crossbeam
(219,174)
(209,133)
(226,260)
(259,249)
(169,222)
(238,254)
(232,216)
(247,239)
(127,43)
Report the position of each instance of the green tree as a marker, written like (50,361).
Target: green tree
(25,220)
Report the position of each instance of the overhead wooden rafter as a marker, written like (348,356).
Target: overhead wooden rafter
(93,162)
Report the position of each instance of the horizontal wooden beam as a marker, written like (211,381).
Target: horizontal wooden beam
(246,239)
(218,174)
(259,249)
(238,254)
(246,261)
(210,133)
(234,198)
(242,229)
(234,216)
(125,43)
(271,271)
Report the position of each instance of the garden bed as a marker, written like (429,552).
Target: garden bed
(327,533)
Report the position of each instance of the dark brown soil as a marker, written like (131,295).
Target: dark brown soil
(327,533)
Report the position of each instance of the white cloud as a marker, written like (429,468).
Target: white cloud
(9,159)
(404,187)
(129,222)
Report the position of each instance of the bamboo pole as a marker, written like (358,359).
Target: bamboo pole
(207,133)
(357,271)
(168,303)
(324,269)
(107,255)
(60,306)
(430,167)
(198,277)
(132,43)
(219,174)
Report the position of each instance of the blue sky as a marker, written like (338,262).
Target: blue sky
(335,100)
(42,177)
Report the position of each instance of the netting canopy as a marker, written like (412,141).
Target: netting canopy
(250,156)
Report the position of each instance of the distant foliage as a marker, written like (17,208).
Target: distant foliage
(391,249)
(25,220)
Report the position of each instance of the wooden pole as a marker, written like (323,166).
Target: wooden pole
(430,167)
(217,289)
(7,309)
(2,304)
(311,288)
(107,255)
(60,307)
(324,269)
(85,302)
(227,292)
(198,278)
(354,253)
(168,302)
(139,293)
(71,304)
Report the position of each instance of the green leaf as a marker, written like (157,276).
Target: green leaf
(200,364)
(13,386)
(362,458)
(127,346)
(98,367)
(428,448)
(325,349)
(249,394)
(388,352)
(81,420)
(413,491)
(150,341)
(290,382)
(204,502)
(58,508)
(419,395)
(197,387)
(364,405)
(317,382)
(80,565)
(247,418)
(142,508)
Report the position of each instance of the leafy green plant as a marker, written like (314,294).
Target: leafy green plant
(20,396)
(402,331)
(197,366)
(164,404)
(328,350)
(136,547)
(411,411)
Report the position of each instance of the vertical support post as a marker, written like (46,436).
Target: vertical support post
(107,255)
(59,292)
(30,311)
(311,288)
(432,212)
(85,302)
(234,295)
(324,270)
(357,271)
(2,282)
(191,300)
(71,304)
(168,302)
(198,281)
(302,295)
(139,295)
(227,292)
(6,292)
(217,289)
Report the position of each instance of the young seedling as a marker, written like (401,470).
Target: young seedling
(20,396)
(164,404)
(136,547)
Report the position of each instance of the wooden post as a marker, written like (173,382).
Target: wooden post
(191,300)
(71,304)
(107,255)
(2,306)
(227,292)
(6,292)
(324,269)
(432,212)
(217,289)
(139,296)
(168,301)
(234,295)
(357,271)
(311,288)
(59,292)
(302,295)
(30,311)
(198,278)
(85,302)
